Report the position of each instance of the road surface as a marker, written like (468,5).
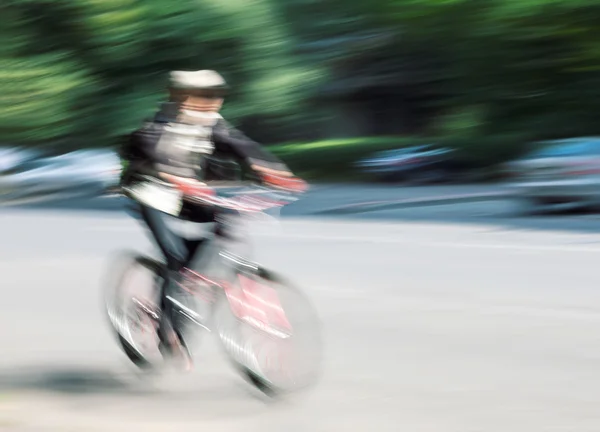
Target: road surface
(432,324)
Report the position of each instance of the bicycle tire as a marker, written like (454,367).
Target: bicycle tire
(246,362)
(124,262)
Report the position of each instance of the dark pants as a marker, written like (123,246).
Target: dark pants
(178,253)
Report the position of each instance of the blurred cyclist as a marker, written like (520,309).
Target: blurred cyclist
(178,146)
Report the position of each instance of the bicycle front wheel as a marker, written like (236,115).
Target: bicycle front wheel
(271,332)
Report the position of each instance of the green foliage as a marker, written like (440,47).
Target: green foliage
(38,97)
(92,70)
(483,76)
(332,159)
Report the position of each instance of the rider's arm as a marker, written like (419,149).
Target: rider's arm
(136,151)
(230,140)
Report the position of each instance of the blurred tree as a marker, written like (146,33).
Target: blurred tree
(91,70)
(38,97)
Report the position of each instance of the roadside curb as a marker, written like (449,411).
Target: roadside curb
(369,206)
(37,199)
(66,202)
(116,202)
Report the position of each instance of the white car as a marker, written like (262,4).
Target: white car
(11,157)
(82,172)
(562,174)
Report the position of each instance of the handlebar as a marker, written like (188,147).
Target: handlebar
(243,196)
(294,184)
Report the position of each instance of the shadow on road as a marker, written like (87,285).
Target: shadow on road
(67,381)
(96,392)
(78,382)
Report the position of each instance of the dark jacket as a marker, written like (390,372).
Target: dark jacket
(156,147)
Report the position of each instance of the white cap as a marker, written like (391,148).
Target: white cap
(202,79)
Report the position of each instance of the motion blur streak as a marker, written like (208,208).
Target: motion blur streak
(449,241)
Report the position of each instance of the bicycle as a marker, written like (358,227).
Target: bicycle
(229,294)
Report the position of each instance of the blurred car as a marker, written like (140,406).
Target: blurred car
(85,172)
(418,164)
(11,157)
(561,174)
(95,167)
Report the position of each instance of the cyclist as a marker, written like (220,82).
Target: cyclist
(179,145)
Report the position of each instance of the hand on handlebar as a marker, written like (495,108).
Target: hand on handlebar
(281,179)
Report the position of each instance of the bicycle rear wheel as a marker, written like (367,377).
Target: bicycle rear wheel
(132,307)
(278,348)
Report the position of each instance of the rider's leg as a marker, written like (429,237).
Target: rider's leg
(172,246)
(176,254)
(195,247)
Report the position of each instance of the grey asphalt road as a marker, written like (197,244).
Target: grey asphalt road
(465,321)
